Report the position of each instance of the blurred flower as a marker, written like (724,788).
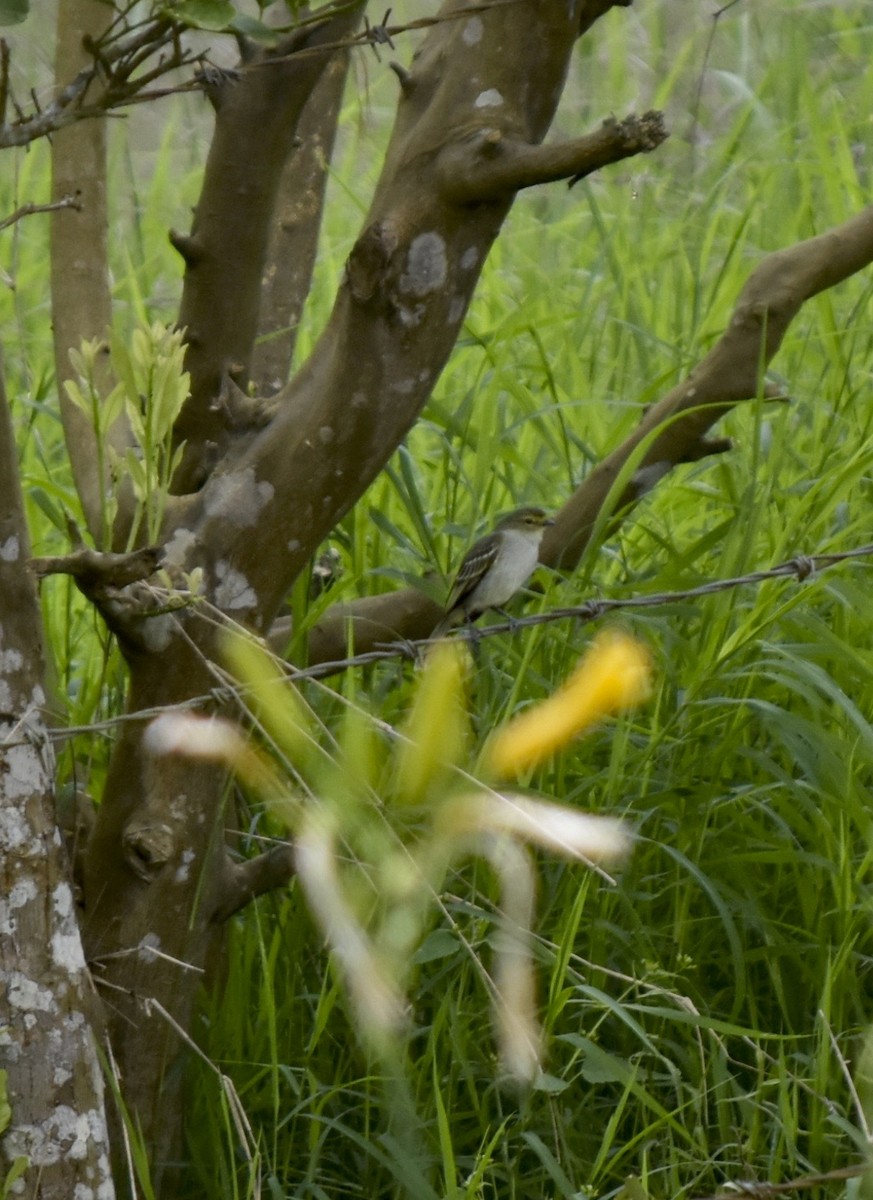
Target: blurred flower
(437,729)
(216,740)
(613,675)
(551,826)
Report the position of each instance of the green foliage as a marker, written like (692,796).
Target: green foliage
(19,1164)
(225,16)
(13,12)
(151,389)
(202,14)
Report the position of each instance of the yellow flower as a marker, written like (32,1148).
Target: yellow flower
(613,675)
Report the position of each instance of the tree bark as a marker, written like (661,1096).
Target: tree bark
(293,244)
(257,113)
(48,1043)
(80,292)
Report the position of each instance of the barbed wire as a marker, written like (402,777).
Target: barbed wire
(801,567)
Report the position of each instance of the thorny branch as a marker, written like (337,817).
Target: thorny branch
(124,48)
(800,567)
(28,210)
(116,58)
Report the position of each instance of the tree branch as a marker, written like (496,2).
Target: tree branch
(29,210)
(244,881)
(674,429)
(296,220)
(256,119)
(408,281)
(490,165)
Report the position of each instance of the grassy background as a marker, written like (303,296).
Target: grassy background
(700,1012)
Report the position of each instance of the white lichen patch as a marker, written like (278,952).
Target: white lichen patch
(410,317)
(426,266)
(14,831)
(157,632)
(25,993)
(67,952)
(184,869)
(10,549)
(469,258)
(62,900)
(24,775)
(326,435)
(147,946)
(472,32)
(64,1133)
(490,98)
(233,590)
(176,549)
(20,893)
(10,660)
(237,497)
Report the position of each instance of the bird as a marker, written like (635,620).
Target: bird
(495,567)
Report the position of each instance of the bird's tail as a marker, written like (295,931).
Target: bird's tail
(450,621)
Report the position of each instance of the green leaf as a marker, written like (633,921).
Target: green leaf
(203,14)
(13,12)
(15,1172)
(441,943)
(54,512)
(251,28)
(599,1066)
(5,1109)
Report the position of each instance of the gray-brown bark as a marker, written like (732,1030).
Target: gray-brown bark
(257,113)
(293,244)
(408,282)
(81,300)
(48,1041)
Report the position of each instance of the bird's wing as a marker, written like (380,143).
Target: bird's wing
(475,564)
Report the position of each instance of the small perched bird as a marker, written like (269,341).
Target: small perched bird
(495,567)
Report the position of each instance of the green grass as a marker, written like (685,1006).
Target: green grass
(699,1011)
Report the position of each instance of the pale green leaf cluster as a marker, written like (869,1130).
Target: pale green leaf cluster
(152,385)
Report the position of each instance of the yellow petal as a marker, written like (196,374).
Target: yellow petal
(613,675)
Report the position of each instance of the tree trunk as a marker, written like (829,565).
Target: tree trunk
(50,1014)
(80,291)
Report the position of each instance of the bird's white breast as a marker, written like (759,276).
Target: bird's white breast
(513,567)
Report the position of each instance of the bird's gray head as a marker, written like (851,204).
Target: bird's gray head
(529,519)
